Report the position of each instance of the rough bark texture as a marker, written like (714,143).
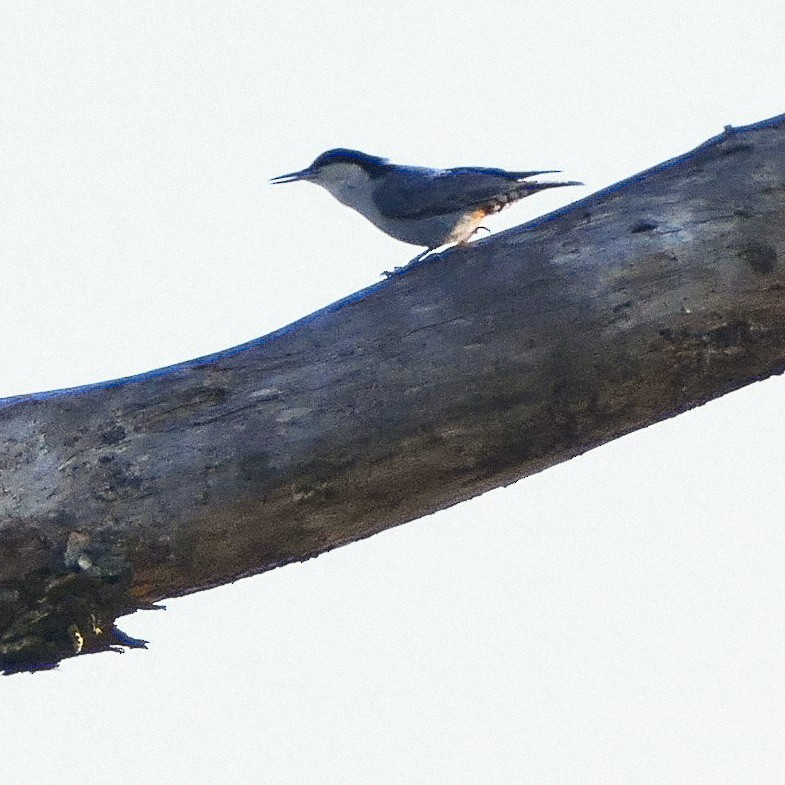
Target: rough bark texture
(466,372)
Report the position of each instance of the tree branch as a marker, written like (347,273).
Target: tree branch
(465,372)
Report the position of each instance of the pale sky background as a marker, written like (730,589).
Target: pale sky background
(616,619)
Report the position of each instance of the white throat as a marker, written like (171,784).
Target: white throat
(349,184)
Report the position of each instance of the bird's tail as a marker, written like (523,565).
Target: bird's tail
(534,187)
(520,191)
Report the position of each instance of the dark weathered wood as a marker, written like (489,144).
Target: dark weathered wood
(464,373)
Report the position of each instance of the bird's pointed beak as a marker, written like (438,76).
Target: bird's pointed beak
(292,177)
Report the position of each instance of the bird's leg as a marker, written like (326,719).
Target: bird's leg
(465,243)
(418,257)
(410,263)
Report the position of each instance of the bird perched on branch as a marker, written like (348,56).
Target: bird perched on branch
(427,207)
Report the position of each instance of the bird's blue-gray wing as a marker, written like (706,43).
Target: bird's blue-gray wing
(420,193)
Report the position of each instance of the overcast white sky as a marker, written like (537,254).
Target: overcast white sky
(616,619)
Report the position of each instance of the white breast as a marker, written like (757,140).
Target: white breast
(351,185)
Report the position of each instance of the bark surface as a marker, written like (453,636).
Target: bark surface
(467,371)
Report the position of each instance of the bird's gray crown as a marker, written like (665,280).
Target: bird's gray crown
(372,164)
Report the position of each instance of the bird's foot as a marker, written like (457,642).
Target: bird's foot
(410,263)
